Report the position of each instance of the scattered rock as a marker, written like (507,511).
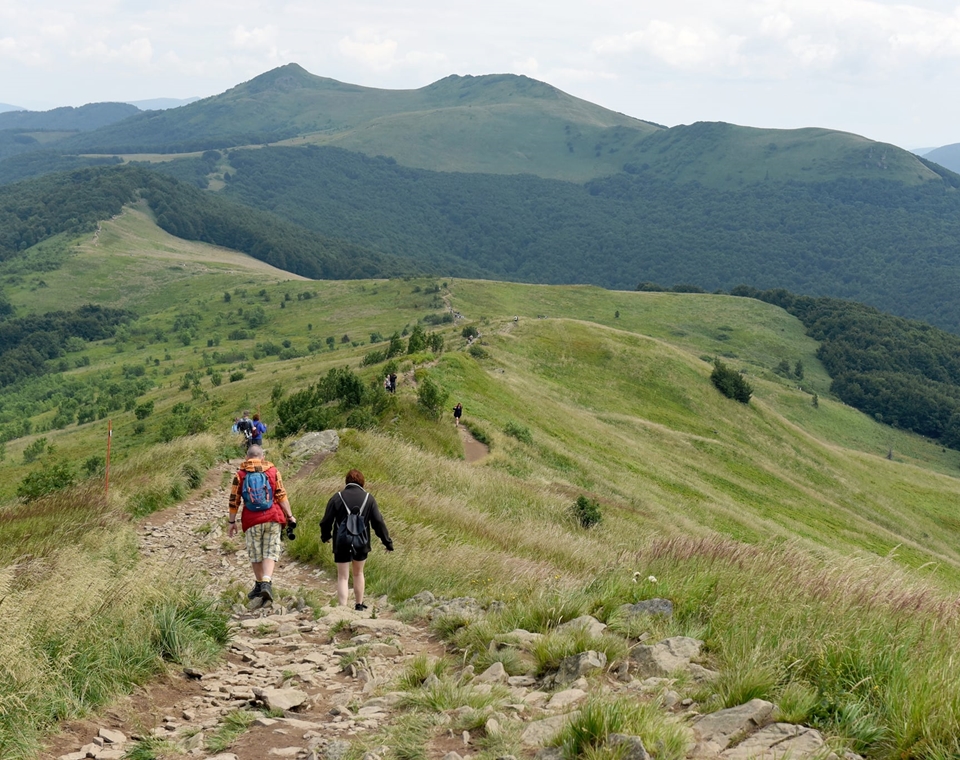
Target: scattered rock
(715,732)
(661,607)
(575,666)
(564,700)
(585,622)
(665,657)
(780,740)
(281,699)
(633,747)
(496,673)
(539,732)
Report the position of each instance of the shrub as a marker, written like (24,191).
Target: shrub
(470,331)
(431,398)
(235,376)
(44,481)
(518,431)
(478,352)
(144,410)
(587,511)
(730,382)
(34,451)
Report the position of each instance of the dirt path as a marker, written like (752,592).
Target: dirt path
(473,450)
(278,648)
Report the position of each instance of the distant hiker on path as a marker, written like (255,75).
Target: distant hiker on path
(257,431)
(258,488)
(393,382)
(457,412)
(347,520)
(245,428)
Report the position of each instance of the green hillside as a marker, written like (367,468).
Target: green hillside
(491,123)
(586,382)
(810,546)
(502,124)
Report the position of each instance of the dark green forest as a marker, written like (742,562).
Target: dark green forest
(875,241)
(40,162)
(34,210)
(28,343)
(903,372)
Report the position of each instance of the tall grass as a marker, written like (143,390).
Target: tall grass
(82,627)
(84,620)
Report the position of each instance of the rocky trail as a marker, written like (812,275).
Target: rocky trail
(318,685)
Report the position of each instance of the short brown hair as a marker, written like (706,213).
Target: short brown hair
(256,417)
(355,476)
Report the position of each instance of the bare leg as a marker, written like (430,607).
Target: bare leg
(358,582)
(343,582)
(257,570)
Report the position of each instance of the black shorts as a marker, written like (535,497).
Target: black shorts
(344,556)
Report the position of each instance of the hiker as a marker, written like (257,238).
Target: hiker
(258,488)
(457,412)
(352,500)
(393,382)
(386,383)
(245,427)
(235,429)
(257,430)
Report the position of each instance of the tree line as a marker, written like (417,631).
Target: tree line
(903,372)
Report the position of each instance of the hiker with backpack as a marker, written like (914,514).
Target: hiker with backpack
(244,426)
(257,429)
(258,489)
(347,520)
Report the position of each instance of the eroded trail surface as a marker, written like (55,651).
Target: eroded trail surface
(280,658)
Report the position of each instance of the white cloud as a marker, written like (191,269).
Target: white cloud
(681,45)
(138,52)
(369,49)
(257,39)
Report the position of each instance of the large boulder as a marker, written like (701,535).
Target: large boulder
(313,443)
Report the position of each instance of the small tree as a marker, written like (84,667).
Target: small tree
(431,398)
(798,370)
(587,511)
(730,382)
(417,341)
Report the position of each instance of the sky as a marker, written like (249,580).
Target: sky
(886,70)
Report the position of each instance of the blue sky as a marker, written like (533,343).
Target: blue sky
(885,70)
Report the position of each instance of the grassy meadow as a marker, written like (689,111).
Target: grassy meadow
(814,550)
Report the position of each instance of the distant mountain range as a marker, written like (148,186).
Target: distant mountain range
(7,107)
(947,155)
(161,104)
(507,177)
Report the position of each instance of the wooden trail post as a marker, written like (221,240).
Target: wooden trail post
(106,489)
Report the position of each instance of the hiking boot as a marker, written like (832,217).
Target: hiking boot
(266,591)
(255,591)
(359,606)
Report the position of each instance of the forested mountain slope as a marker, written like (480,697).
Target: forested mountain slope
(879,242)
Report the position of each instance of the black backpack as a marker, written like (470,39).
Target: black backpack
(352,533)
